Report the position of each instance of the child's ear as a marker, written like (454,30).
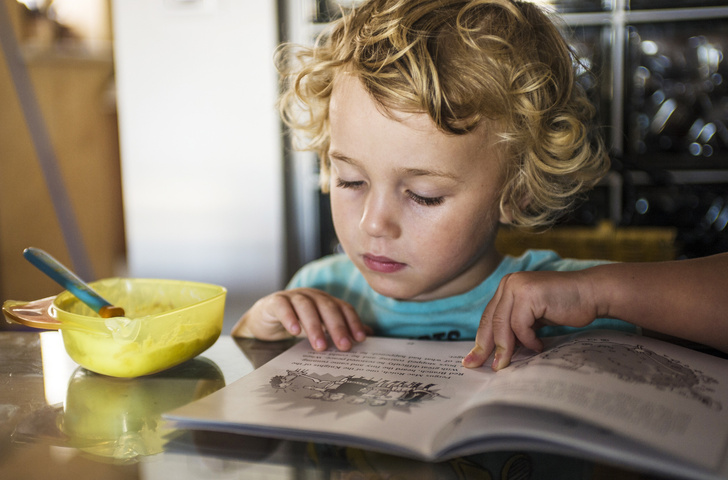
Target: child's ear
(506,215)
(506,209)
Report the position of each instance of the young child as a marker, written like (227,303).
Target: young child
(435,121)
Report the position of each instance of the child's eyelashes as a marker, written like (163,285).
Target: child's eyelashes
(346,184)
(426,201)
(418,199)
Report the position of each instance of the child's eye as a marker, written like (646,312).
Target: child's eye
(426,201)
(345,184)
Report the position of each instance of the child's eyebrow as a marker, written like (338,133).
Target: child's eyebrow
(411,172)
(419,172)
(343,158)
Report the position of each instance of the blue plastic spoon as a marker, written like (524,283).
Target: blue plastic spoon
(70,281)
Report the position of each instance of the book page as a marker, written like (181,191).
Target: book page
(414,398)
(385,392)
(665,396)
(523,428)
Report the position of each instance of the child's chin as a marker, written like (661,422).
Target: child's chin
(394,290)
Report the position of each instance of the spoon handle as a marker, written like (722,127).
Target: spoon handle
(67,279)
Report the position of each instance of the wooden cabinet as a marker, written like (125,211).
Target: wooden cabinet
(75,93)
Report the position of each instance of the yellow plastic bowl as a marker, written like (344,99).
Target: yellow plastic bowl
(167,322)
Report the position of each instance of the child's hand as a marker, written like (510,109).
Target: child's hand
(524,302)
(303,310)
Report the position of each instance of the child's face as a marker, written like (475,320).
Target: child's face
(415,209)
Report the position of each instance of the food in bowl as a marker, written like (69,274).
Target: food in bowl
(166,322)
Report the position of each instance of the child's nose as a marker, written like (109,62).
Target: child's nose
(380,217)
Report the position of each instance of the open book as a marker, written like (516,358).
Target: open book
(602,395)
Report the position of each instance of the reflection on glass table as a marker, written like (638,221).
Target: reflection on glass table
(62,422)
(120,419)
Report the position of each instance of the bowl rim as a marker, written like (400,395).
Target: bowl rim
(217,289)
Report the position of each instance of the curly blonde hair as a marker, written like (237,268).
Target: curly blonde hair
(460,62)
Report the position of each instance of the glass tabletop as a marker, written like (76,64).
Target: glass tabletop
(58,420)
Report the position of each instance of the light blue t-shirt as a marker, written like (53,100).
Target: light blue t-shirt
(451,318)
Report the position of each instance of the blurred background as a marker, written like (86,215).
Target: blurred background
(139,138)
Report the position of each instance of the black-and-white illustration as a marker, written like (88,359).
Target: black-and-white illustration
(351,390)
(630,363)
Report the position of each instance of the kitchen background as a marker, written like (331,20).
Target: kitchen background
(139,138)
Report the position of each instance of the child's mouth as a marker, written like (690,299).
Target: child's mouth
(382,264)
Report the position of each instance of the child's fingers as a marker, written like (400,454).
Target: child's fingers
(358,330)
(307,313)
(281,311)
(270,318)
(303,310)
(333,316)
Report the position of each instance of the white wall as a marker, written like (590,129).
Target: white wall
(200,141)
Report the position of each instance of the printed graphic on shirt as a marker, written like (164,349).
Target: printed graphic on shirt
(450,336)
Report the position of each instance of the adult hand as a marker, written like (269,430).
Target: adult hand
(525,301)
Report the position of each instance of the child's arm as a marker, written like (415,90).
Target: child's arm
(684,298)
(313,312)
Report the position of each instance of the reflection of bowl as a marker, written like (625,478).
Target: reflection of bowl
(122,418)
(166,323)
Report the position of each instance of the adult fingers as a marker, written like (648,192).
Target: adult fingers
(484,344)
(523,321)
(503,337)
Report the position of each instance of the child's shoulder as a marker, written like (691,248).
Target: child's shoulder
(335,266)
(535,260)
(337,261)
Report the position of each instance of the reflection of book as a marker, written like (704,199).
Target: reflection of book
(608,396)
